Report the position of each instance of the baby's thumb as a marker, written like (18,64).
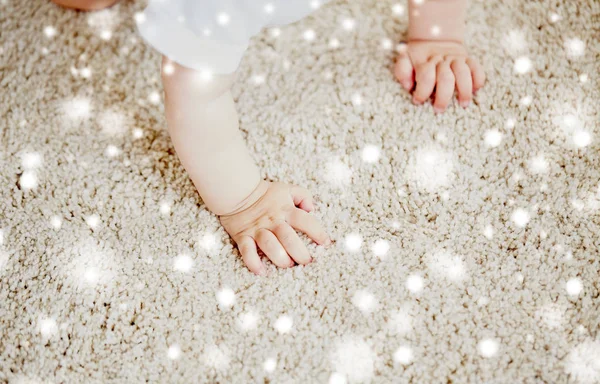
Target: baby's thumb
(302,198)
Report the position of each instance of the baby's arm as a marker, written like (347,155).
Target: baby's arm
(435,57)
(203,125)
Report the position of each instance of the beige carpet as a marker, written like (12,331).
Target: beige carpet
(467,244)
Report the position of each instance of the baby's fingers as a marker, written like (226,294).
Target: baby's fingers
(292,243)
(444,87)
(425,77)
(308,224)
(271,247)
(464,82)
(404,71)
(247,248)
(302,198)
(477,72)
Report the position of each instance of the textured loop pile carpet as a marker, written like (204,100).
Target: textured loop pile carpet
(466,244)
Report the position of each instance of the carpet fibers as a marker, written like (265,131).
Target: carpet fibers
(466,244)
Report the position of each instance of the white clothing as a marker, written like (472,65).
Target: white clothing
(212,35)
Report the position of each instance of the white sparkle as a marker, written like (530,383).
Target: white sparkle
(174,352)
(418,2)
(223,18)
(269,8)
(386,44)
(551,315)
(554,17)
(522,65)
(112,151)
(435,30)
(574,287)
(578,204)
(538,164)
(575,47)
(50,31)
(139,17)
(353,242)
(77,108)
(401,48)
(209,241)
(583,78)
(430,169)
(168,69)
(353,359)
(247,321)
(105,35)
(356,99)
(334,43)
(309,35)
(56,222)
(47,327)
(380,248)
(92,221)
(493,138)
(526,101)
(270,364)
(414,283)
(520,217)
(337,172)
(398,9)
(183,263)
(349,24)
(403,355)
(258,79)
(370,154)
(315,4)
(216,358)
(583,362)
(275,32)
(365,301)
(582,138)
(337,378)
(164,208)
(226,297)
(31,160)
(138,133)
(154,97)
(488,347)
(510,123)
(488,232)
(86,73)
(283,324)
(91,275)
(515,42)
(447,265)
(112,123)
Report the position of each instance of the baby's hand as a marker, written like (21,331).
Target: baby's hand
(441,65)
(269,223)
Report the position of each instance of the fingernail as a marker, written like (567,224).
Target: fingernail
(327,242)
(438,110)
(262,271)
(464,103)
(415,101)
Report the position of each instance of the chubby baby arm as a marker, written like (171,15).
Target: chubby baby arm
(204,128)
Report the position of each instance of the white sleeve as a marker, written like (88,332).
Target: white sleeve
(212,35)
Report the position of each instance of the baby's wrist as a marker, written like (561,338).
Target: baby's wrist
(437,20)
(259,191)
